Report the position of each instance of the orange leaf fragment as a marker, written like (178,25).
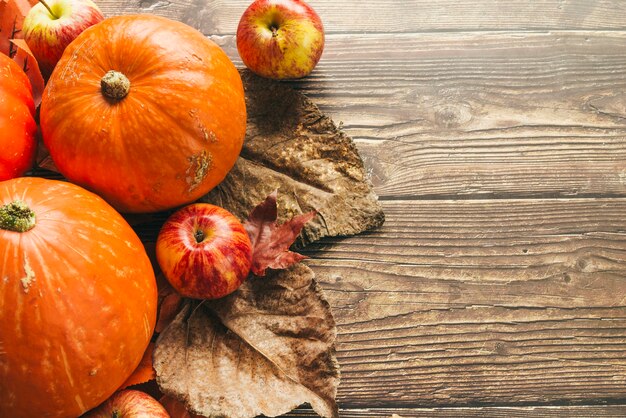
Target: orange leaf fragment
(25,58)
(12,13)
(144,372)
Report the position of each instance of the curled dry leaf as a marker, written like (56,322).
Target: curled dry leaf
(291,146)
(25,58)
(265,349)
(12,13)
(270,241)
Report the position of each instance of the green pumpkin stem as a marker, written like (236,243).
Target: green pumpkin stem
(16,216)
(115,85)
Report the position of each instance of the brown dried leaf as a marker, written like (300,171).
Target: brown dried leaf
(170,303)
(291,146)
(175,408)
(265,349)
(270,241)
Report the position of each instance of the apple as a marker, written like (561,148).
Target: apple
(204,251)
(129,403)
(280,39)
(50,26)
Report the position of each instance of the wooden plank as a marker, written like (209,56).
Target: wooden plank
(615,411)
(220,17)
(466,115)
(481,302)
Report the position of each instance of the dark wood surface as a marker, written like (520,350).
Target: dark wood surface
(495,135)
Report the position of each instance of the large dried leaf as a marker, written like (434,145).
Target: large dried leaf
(265,349)
(291,146)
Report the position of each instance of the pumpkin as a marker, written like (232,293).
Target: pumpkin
(77,299)
(144,111)
(17,122)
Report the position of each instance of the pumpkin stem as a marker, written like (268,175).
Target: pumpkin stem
(16,216)
(115,85)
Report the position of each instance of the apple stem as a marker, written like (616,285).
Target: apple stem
(49,9)
(199,236)
(274,31)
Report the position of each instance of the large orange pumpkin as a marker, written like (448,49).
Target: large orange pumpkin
(144,111)
(77,299)
(17,122)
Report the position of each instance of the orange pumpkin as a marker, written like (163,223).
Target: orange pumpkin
(77,299)
(144,111)
(17,122)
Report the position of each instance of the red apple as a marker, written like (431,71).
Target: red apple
(204,251)
(129,404)
(51,25)
(280,39)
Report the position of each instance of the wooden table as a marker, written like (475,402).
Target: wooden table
(495,135)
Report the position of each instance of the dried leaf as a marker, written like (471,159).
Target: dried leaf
(170,303)
(265,349)
(175,408)
(12,13)
(291,146)
(27,61)
(144,372)
(271,242)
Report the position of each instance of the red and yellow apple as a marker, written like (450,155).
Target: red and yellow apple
(129,404)
(280,39)
(51,25)
(204,251)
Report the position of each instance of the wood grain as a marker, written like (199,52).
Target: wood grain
(220,17)
(491,115)
(495,132)
(481,302)
(614,411)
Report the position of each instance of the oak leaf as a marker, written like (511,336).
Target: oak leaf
(270,241)
(265,349)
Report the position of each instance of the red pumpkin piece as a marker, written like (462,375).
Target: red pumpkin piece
(17,123)
(145,111)
(78,299)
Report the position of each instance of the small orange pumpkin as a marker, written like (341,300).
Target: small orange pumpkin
(77,299)
(17,121)
(145,111)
